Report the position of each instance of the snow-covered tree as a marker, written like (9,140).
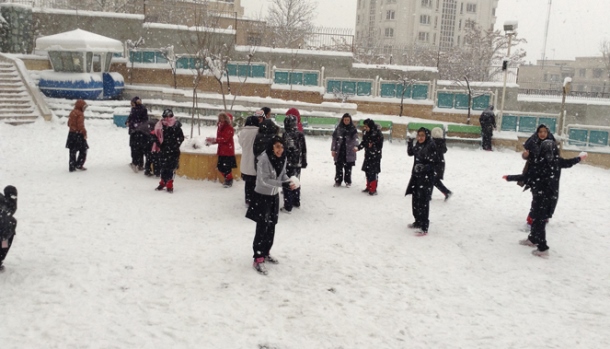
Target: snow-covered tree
(172,59)
(237,92)
(479,59)
(130,46)
(210,49)
(291,21)
(605,50)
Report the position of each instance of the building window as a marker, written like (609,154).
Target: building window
(597,73)
(255,40)
(387,50)
(358,19)
(391,1)
(389,15)
(389,32)
(424,19)
(460,25)
(493,11)
(426,3)
(471,8)
(582,73)
(423,36)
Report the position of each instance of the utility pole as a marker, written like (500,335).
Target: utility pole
(546,33)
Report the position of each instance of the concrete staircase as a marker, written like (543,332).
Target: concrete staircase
(16,105)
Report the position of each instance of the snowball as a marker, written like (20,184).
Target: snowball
(294,180)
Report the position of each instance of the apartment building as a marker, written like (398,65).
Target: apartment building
(165,11)
(589,75)
(391,25)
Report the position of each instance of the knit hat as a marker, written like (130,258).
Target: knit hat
(438,133)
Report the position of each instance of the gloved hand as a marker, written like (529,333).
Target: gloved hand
(505,177)
(304,165)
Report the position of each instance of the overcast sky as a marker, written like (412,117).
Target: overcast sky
(577,27)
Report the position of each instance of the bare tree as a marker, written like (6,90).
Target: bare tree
(172,59)
(343,96)
(241,82)
(291,21)
(481,49)
(406,82)
(604,47)
(132,46)
(210,48)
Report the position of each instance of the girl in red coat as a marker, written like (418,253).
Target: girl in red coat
(226,147)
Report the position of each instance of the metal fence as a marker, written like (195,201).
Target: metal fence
(331,39)
(539,92)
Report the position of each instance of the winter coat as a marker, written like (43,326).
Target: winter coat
(224,139)
(266,131)
(170,148)
(372,143)
(246,138)
(77,136)
(8,207)
(137,116)
(439,162)
(424,163)
(268,181)
(270,176)
(345,139)
(294,146)
(532,145)
(76,119)
(488,120)
(542,176)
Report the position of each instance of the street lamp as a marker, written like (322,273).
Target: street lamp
(510,28)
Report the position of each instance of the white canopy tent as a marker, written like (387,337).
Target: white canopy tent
(79,51)
(78,40)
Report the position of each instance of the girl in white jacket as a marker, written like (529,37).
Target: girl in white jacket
(265,204)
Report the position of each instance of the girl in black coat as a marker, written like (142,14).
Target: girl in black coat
(372,143)
(488,124)
(138,137)
(296,159)
(170,137)
(8,223)
(439,166)
(542,177)
(422,178)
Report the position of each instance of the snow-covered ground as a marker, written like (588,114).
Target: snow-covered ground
(101,260)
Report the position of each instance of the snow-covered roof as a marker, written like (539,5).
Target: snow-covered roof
(404,68)
(78,40)
(184,27)
(291,51)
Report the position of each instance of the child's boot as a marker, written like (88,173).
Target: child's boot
(161,185)
(170,186)
(373,188)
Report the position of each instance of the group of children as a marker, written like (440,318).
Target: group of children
(271,164)
(541,175)
(155,144)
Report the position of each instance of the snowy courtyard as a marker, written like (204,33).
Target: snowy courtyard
(102,260)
